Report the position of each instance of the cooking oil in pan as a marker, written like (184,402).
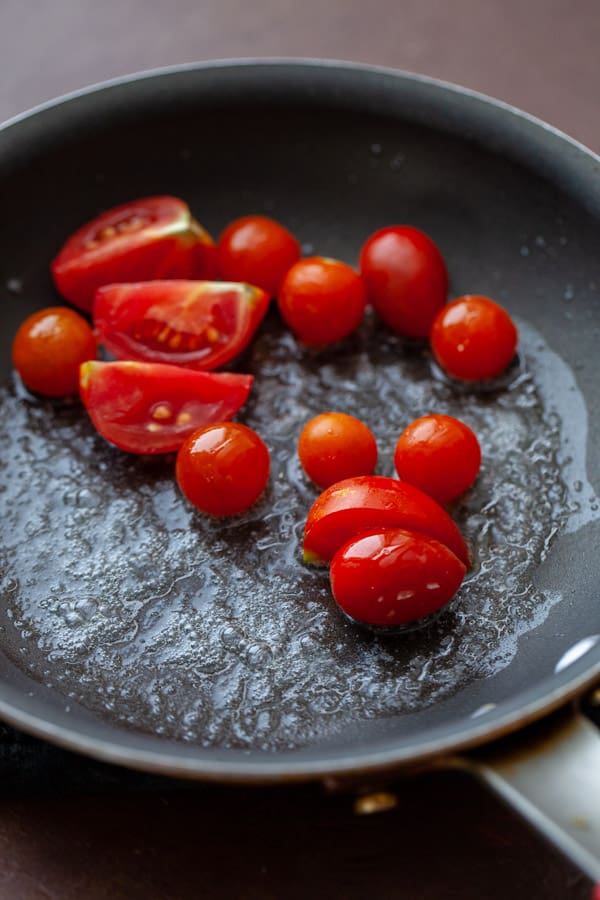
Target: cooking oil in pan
(125,600)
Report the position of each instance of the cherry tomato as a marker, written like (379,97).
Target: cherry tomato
(223,469)
(406,278)
(152,407)
(155,237)
(197,324)
(335,445)
(473,338)
(48,349)
(360,504)
(438,454)
(257,250)
(322,300)
(393,577)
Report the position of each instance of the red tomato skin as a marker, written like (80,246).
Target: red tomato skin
(48,349)
(223,469)
(367,502)
(322,300)
(196,324)
(333,446)
(406,278)
(394,577)
(438,454)
(257,250)
(474,338)
(151,407)
(149,238)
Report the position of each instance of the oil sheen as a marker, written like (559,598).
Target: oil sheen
(122,598)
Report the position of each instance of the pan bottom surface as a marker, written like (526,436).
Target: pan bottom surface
(127,602)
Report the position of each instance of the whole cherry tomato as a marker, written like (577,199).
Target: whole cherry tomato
(438,454)
(48,349)
(393,577)
(406,278)
(153,407)
(322,300)
(473,338)
(154,237)
(223,469)
(197,324)
(354,505)
(335,445)
(257,250)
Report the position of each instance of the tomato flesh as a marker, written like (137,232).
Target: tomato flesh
(154,237)
(406,278)
(48,349)
(152,407)
(322,300)
(333,446)
(223,468)
(197,324)
(473,338)
(355,505)
(438,454)
(257,250)
(394,577)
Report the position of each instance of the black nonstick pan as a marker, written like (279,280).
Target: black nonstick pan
(135,630)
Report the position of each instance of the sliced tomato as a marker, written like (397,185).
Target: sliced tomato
(155,237)
(394,577)
(197,324)
(152,407)
(360,504)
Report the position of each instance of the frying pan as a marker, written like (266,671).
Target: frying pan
(139,633)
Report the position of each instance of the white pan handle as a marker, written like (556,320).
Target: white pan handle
(551,776)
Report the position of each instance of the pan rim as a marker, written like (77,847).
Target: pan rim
(275,767)
(204,763)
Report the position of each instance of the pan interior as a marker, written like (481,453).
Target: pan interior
(135,611)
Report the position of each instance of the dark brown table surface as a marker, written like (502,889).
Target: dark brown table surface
(70,828)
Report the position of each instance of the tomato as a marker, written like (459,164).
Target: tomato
(152,407)
(438,454)
(322,300)
(155,237)
(197,324)
(334,445)
(257,250)
(48,349)
(223,468)
(355,505)
(473,338)
(406,278)
(393,577)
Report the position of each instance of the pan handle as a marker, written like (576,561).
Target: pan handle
(551,775)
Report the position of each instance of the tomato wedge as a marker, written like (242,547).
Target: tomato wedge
(152,407)
(197,324)
(394,577)
(155,237)
(360,504)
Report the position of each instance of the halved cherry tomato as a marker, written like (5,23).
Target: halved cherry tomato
(394,577)
(438,454)
(322,300)
(406,278)
(257,250)
(155,237)
(334,445)
(473,338)
(48,349)
(197,324)
(223,468)
(152,407)
(354,505)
